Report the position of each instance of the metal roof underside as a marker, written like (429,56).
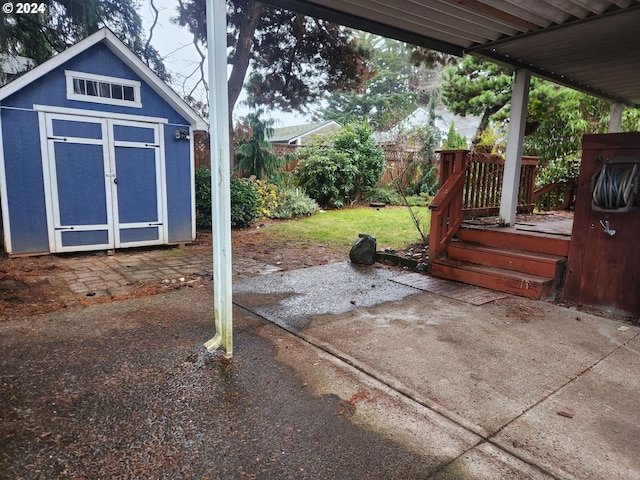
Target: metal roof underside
(591,45)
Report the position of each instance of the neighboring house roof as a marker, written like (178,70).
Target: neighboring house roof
(119,49)
(295,134)
(465,126)
(14,64)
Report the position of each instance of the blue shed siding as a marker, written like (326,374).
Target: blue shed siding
(25,187)
(22,151)
(99,60)
(178,170)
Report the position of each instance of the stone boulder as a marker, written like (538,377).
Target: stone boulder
(363,250)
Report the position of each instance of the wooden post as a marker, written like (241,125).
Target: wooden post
(511,178)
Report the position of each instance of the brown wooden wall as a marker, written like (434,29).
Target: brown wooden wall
(604,270)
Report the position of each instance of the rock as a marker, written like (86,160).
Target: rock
(363,250)
(421,268)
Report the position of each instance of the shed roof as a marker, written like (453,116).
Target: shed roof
(107,37)
(591,45)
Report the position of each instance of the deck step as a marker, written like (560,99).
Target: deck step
(518,283)
(541,264)
(528,241)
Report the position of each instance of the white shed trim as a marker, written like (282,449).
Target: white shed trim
(121,51)
(98,113)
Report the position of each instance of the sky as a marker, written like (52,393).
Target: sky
(181,58)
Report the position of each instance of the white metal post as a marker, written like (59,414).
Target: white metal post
(220,176)
(513,161)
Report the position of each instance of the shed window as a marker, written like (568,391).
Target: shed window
(101,89)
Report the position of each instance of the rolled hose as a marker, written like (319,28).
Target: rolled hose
(614,187)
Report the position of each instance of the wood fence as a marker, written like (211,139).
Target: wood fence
(201,152)
(397,159)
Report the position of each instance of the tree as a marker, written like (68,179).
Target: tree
(561,119)
(387,97)
(294,59)
(474,87)
(559,116)
(420,176)
(404,76)
(254,154)
(61,23)
(454,140)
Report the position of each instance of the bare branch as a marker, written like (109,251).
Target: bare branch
(156,15)
(203,78)
(203,58)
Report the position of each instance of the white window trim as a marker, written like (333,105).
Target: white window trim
(71,95)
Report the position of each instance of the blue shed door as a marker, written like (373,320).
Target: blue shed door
(106,183)
(139,184)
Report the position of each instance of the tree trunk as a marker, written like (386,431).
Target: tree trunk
(242,56)
(484,123)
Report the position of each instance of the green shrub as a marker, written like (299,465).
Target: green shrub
(203,197)
(429,180)
(386,194)
(245,203)
(558,170)
(268,194)
(341,166)
(292,203)
(454,140)
(327,176)
(356,141)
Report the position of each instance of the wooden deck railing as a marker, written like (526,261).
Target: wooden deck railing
(470,185)
(446,207)
(555,196)
(483,182)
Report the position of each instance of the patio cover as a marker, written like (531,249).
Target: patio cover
(590,45)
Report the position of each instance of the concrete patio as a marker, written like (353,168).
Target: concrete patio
(339,371)
(531,383)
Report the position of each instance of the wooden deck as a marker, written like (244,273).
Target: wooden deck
(526,259)
(553,223)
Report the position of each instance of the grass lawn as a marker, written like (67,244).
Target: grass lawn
(392,226)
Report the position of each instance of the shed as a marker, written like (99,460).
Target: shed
(96,152)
